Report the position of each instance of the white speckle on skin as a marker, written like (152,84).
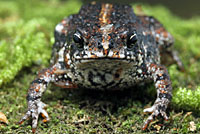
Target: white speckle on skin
(61,55)
(140,59)
(121,54)
(110,54)
(85,56)
(59,28)
(144,33)
(97,79)
(107,27)
(69,62)
(68,57)
(139,71)
(66,83)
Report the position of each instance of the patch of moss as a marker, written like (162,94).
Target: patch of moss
(25,34)
(27,44)
(26,38)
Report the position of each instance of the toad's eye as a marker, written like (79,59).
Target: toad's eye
(131,40)
(78,39)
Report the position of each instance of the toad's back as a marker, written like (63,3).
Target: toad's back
(99,14)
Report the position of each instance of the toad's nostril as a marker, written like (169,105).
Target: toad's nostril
(111,45)
(100,46)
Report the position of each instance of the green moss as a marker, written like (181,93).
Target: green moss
(26,38)
(187,99)
(28,45)
(27,41)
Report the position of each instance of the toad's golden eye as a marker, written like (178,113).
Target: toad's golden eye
(78,39)
(131,40)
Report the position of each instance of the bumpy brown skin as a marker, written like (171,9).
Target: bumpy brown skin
(106,46)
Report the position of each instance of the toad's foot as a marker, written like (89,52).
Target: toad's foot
(156,109)
(164,93)
(34,110)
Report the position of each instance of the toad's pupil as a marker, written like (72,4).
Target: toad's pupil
(77,38)
(131,40)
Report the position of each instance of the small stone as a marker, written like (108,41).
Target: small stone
(3,118)
(192,126)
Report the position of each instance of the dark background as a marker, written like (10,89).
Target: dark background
(181,8)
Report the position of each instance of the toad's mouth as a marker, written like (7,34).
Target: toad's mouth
(128,58)
(104,63)
(104,58)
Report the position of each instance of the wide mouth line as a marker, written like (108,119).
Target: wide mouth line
(104,58)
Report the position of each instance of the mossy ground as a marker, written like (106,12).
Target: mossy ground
(26,37)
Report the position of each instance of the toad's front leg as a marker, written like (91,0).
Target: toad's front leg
(164,92)
(36,90)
